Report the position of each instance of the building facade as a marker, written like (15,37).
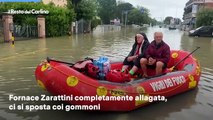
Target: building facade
(191,9)
(59,3)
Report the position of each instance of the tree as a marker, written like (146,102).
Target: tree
(204,17)
(95,22)
(106,10)
(139,16)
(121,8)
(75,2)
(86,9)
(154,21)
(167,20)
(135,16)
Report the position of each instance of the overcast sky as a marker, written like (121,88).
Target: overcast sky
(160,9)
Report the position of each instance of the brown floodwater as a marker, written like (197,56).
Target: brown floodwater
(18,63)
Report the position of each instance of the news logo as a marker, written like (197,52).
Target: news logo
(20,0)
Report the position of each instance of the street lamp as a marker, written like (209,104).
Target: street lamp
(126,14)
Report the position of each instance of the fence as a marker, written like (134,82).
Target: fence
(25,31)
(107,28)
(83,26)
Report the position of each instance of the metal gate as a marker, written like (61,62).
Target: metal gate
(83,26)
(25,31)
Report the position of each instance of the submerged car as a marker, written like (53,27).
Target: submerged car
(203,31)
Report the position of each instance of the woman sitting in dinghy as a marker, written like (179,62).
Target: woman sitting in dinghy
(137,52)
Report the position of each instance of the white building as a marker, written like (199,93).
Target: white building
(191,9)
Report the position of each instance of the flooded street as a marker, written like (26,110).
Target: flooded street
(18,63)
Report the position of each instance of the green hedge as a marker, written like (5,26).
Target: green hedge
(57,21)
(204,17)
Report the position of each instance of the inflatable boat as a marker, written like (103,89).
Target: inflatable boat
(60,79)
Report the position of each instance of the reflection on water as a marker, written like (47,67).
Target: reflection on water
(17,65)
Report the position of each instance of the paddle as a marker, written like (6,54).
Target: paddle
(172,68)
(48,60)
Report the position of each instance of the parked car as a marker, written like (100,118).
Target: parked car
(204,31)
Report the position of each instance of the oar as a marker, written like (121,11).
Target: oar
(172,68)
(48,60)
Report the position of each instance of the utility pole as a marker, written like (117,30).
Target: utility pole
(125,18)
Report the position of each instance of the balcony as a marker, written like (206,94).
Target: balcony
(189,15)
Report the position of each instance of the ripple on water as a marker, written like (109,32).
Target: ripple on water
(206,82)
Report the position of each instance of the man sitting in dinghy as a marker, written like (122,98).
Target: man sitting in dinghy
(157,55)
(137,52)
